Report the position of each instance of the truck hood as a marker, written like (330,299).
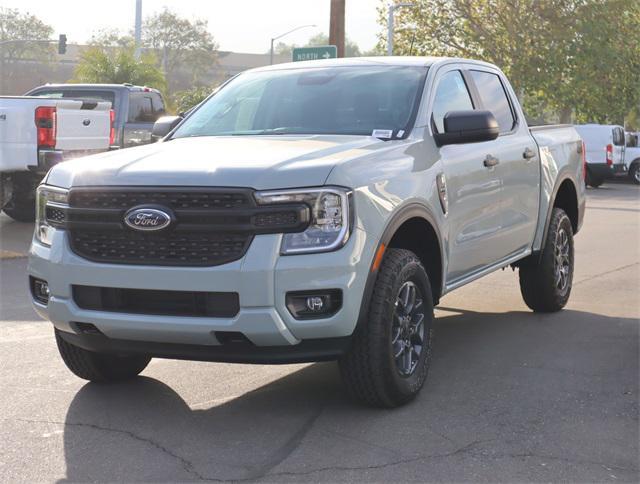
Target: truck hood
(260,162)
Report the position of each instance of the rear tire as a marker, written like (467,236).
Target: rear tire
(546,279)
(634,172)
(99,367)
(592,180)
(388,361)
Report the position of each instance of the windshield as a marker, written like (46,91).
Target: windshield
(336,100)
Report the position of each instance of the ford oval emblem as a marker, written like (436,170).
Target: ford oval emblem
(147,219)
(86,122)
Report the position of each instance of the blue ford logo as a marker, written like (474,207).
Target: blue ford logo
(86,122)
(147,219)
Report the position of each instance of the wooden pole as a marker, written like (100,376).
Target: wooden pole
(336,25)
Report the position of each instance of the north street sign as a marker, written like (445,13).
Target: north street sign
(315,53)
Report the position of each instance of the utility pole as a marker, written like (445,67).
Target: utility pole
(392,8)
(138,29)
(336,25)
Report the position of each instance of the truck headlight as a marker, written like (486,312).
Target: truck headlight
(330,221)
(50,205)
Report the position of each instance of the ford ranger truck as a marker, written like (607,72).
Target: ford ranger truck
(305,212)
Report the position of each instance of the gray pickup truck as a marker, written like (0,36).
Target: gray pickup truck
(305,212)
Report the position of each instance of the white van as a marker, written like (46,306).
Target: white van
(605,145)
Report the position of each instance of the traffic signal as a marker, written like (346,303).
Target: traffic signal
(62,44)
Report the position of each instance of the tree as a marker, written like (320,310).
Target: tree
(17,26)
(117,65)
(185,100)
(553,51)
(181,44)
(351,49)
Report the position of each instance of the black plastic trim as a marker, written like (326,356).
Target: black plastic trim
(311,350)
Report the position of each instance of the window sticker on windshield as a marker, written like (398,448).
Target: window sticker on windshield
(400,133)
(382,133)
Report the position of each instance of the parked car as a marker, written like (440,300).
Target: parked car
(605,145)
(35,134)
(136,107)
(632,157)
(318,210)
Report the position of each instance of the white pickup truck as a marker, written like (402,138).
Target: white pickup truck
(37,133)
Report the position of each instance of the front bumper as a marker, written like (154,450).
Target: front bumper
(261,278)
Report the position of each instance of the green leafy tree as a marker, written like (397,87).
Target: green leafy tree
(554,51)
(180,44)
(15,28)
(185,100)
(118,65)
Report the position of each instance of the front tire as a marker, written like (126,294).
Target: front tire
(546,280)
(21,207)
(388,361)
(99,367)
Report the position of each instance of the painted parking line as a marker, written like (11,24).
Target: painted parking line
(9,254)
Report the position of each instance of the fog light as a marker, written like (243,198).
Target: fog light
(40,290)
(314,304)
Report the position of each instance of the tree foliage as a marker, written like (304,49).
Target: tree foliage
(185,100)
(562,56)
(117,65)
(180,44)
(19,27)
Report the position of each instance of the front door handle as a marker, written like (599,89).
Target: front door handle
(491,161)
(528,153)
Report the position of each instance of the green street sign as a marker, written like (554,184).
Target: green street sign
(315,53)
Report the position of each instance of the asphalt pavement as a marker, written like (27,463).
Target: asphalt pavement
(512,396)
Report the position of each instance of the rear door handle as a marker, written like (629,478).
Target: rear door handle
(528,153)
(491,161)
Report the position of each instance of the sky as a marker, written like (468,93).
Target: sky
(237,25)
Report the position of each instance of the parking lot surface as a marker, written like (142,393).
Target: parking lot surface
(511,396)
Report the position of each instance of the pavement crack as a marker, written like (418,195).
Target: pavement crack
(605,273)
(461,450)
(185,464)
(285,450)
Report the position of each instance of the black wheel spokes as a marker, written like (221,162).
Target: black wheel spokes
(407,332)
(562,259)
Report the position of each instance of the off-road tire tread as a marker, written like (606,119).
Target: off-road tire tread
(97,367)
(363,370)
(537,281)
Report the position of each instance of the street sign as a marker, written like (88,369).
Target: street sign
(315,53)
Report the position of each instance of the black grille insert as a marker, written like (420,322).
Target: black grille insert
(171,249)
(210,226)
(166,303)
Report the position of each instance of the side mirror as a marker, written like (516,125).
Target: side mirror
(164,125)
(468,127)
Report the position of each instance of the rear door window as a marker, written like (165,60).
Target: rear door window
(451,95)
(494,98)
(141,108)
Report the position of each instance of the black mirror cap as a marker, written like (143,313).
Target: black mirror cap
(468,127)
(164,125)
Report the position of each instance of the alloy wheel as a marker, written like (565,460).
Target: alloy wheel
(408,331)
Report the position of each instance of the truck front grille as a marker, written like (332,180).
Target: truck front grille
(176,248)
(210,226)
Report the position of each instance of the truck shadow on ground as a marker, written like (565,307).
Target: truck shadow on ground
(500,385)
